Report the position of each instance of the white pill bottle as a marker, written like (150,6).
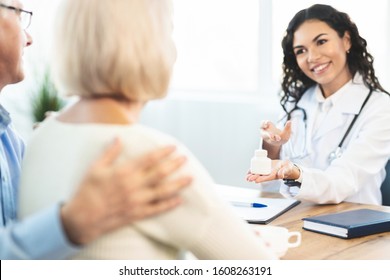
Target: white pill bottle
(260,163)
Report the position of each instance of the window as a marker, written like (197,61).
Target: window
(217,43)
(233,46)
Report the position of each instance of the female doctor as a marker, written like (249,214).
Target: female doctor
(334,140)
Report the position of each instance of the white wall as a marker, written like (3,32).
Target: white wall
(223,135)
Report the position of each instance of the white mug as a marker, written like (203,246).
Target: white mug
(278,239)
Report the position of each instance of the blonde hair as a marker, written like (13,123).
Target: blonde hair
(114,47)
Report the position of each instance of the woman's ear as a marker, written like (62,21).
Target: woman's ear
(347,41)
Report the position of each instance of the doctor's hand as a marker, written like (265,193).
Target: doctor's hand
(273,135)
(281,169)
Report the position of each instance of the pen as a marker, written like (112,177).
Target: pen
(248,204)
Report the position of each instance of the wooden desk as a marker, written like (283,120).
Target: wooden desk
(317,246)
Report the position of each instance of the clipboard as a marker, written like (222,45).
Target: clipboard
(275,206)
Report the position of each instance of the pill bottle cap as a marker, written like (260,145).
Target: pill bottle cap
(261,153)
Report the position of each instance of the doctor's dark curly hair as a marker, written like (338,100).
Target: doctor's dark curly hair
(295,82)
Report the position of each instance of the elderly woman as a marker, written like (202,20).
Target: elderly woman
(115,56)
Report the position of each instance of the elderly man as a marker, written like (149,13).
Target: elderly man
(110,195)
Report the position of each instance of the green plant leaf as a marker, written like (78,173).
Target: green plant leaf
(46,99)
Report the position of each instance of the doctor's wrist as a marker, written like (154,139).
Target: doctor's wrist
(295,178)
(298,172)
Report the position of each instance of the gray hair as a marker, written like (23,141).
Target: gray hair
(115,47)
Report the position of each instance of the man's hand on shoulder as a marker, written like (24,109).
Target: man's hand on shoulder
(112,195)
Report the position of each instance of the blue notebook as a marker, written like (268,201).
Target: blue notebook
(349,224)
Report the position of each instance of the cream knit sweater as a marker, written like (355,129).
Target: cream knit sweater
(57,158)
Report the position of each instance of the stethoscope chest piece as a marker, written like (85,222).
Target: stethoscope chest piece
(335,154)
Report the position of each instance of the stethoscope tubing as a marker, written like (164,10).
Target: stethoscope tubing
(338,152)
(354,120)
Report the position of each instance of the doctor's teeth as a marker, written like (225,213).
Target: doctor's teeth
(319,68)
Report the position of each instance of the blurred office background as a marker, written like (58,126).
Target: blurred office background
(226,78)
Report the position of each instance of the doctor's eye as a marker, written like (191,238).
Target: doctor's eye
(321,41)
(299,51)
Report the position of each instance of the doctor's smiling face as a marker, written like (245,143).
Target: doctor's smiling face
(322,46)
(321,54)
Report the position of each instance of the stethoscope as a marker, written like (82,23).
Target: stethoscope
(338,152)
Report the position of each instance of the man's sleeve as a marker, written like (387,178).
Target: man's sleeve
(39,236)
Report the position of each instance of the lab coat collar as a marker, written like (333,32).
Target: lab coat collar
(349,101)
(352,96)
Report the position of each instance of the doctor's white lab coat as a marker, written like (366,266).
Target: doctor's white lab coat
(358,174)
